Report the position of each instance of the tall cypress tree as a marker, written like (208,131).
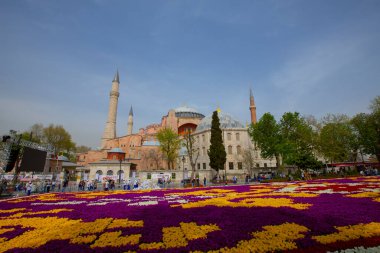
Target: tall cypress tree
(217,152)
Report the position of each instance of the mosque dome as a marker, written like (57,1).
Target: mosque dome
(63,158)
(116,150)
(226,122)
(187,112)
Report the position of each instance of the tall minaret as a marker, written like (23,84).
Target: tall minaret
(252,107)
(110,130)
(130,122)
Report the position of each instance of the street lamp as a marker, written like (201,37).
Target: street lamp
(120,160)
(183,167)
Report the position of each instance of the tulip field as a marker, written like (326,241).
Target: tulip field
(302,216)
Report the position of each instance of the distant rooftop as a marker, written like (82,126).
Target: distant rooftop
(226,122)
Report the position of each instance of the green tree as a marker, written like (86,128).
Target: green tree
(217,152)
(59,138)
(298,140)
(34,134)
(374,123)
(335,141)
(367,128)
(306,160)
(169,145)
(365,134)
(266,135)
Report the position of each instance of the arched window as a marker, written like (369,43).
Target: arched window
(120,174)
(230,150)
(99,175)
(238,150)
(109,173)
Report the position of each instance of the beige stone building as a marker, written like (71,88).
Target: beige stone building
(236,141)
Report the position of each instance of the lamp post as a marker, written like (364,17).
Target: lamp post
(183,167)
(120,160)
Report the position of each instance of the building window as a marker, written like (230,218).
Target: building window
(148,176)
(257,165)
(114,157)
(231,165)
(229,136)
(203,138)
(204,166)
(238,149)
(237,136)
(98,175)
(230,150)
(240,165)
(109,173)
(265,165)
(199,166)
(173,175)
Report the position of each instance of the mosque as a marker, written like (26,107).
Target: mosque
(137,154)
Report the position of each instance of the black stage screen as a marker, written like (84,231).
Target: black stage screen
(33,160)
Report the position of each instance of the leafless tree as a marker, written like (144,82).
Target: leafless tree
(189,143)
(154,156)
(248,160)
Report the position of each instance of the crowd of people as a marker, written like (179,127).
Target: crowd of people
(40,186)
(107,184)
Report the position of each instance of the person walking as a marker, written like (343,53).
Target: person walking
(204,181)
(64,185)
(29,188)
(48,186)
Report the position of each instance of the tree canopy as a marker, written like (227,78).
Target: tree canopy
(59,138)
(266,134)
(169,145)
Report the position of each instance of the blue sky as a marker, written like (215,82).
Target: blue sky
(58,58)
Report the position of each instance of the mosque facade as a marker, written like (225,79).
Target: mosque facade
(141,154)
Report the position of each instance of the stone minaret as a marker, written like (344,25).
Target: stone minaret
(252,107)
(110,130)
(130,122)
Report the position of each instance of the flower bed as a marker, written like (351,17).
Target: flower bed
(314,216)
